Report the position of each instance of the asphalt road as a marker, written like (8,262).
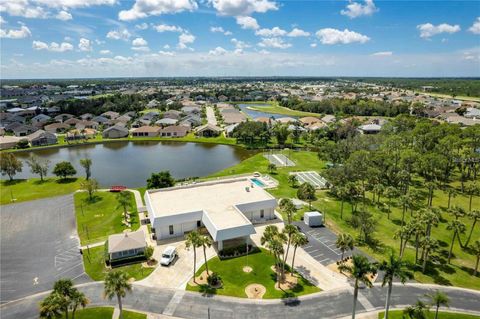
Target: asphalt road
(38,245)
(183,304)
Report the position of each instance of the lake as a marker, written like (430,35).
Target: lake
(256,114)
(131,163)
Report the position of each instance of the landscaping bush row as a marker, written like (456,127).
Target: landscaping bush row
(238,251)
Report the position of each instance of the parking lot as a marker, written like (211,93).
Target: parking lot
(39,244)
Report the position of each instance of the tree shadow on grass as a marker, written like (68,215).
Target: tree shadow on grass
(67,180)
(14,182)
(40,182)
(93,200)
(397,222)
(433,272)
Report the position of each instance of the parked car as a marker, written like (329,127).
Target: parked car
(168,256)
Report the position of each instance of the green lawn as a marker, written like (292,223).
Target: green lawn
(101,217)
(106,313)
(95,265)
(458,273)
(25,190)
(235,280)
(398,314)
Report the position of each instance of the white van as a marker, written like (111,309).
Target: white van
(168,256)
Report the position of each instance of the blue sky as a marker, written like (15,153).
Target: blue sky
(109,38)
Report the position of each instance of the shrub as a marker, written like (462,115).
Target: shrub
(149,252)
(214,279)
(23,144)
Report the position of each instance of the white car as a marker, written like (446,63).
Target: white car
(168,256)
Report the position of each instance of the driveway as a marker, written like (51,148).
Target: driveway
(39,244)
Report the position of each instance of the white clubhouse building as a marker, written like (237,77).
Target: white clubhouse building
(227,208)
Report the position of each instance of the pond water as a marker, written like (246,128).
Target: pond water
(256,114)
(131,163)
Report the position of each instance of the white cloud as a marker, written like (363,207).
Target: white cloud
(22,8)
(2,20)
(220,30)
(242,7)
(21,33)
(277,43)
(334,36)
(383,53)
(428,30)
(184,39)
(274,32)
(475,28)
(84,45)
(141,48)
(54,46)
(139,42)
(167,28)
(64,16)
(119,34)
(145,8)
(142,26)
(247,22)
(166,46)
(355,9)
(240,45)
(105,52)
(298,33)
(217,51)
(167,53)
(313,45)
(74,3)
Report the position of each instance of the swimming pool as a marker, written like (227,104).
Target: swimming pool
(257,182)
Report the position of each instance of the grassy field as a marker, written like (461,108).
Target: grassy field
(458,273)
(94,263)
(24,190)
(235,279)
(100,217)
(277,109)
(106,313)
(459,97)
(398,314)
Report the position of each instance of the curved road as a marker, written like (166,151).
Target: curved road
(179,303)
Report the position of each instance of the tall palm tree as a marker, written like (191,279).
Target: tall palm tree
(344,242)
(457,227)
(206,242)
(475,215)
(298,240)
(124,201)
(289,231)
(194,240)
(457,212)
(394,268)
(275,245)
(429,244)
(64,288)
(476,250)
(452,193)
(273,240)
(360,269)
(418,229)
(472,190)
(78,299)
(117,285)
(438,299)
(342,193)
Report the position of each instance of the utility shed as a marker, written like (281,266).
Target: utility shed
(313,219)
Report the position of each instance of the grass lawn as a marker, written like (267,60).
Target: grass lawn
(106,313)
(25,190)
(235,280)
(277,109)
(458,273)
(95,265)
(101,217)
(398,314)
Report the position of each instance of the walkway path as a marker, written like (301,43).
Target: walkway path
(210,113)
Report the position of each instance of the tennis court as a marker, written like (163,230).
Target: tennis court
(279,160)
(311,177)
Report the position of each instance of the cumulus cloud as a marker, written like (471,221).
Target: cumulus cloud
(298,33)
(276,43)
(184,39)
(355,9)
(217,51)
(167,28)
(475,28)
(145,8)
(119,34)
(104,52)
(84,45)
(333,36)
(274,32)
(64,16)
(246,22)
(242,7)
(383,53)
(54,46)
(220,30)
(142,26)
(428,30)
(139,42)
(239,45)
(21,33)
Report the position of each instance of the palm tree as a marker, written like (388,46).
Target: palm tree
(194,240)
(117,285)
(472,190)
(360,269)
(292,180)
(417,311)
(287,206)
(379,189)
(273,240)
(438,299)
(289,231)
(393,268)
(452,192)
(457,227)
(124,201)
(342,193)
(429,244)
(78,299)
(65,289)
(206,242)
(52,306)
(272,168)
(404,233)
(298,240)
(276,247)
(476,250)
(475,215)
(457,212)
(344,242)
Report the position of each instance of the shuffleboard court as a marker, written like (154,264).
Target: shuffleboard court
(279,160)
(311,177)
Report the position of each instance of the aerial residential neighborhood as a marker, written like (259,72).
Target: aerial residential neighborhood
(239,159)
